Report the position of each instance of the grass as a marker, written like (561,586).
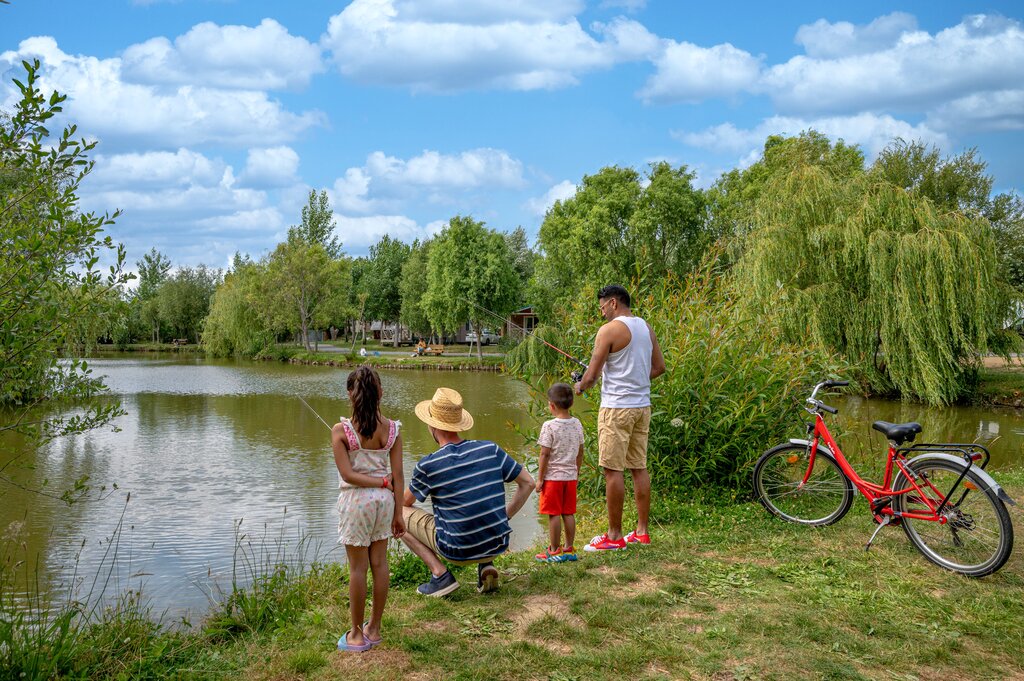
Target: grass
(1002,386)
(405,361)
(725,592)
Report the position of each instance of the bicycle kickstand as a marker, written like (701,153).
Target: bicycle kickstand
(885,521)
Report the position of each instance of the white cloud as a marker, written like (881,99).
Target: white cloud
(359,233)
(1001,110)
(982,53)
(628,5)
(264,57)
(689,73)
(105,105)
(871,131)
(560,192)
(517,46)
(271,167)
(826,40)
(386,181)
(484,12)
(156,169)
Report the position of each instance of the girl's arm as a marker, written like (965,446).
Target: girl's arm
(398,486)
(339,442)
(542,467)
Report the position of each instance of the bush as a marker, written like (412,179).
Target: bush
(731,390)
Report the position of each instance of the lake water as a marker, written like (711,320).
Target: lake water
(209,444)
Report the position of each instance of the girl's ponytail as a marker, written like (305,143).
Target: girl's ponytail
(364,386)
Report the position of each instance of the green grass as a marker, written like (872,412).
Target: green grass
(725,592)
(1004,386)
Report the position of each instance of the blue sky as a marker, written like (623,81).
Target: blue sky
(216,118)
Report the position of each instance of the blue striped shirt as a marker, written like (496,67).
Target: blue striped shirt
(466,485)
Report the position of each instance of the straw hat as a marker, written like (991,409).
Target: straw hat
(445,411)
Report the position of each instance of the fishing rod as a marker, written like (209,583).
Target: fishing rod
(576,375)
(314,412)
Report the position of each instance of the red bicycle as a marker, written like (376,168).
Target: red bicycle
(949,506)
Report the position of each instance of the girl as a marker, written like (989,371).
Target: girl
(369,504)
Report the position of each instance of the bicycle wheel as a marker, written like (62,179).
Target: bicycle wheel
(778,483)
(977,538)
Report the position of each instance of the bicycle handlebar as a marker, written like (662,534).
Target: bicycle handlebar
(834,384)
(820,405)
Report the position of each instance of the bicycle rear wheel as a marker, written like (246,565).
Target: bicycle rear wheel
(977,538)
(779,485)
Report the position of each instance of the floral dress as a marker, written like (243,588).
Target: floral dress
(365,513)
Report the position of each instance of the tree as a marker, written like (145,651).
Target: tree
(524,259)
(955,183)
(318,225)
(304,287)
(153,269)
(183,300)
(909,292)
(469,271)
(382,281)
(50,279)
(1006,215)
(413,287)
(619,227)
(234,325)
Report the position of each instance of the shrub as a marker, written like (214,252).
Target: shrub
(731,390)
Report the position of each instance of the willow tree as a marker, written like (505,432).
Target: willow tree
(910,293)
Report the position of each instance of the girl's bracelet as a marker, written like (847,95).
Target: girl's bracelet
(383,482)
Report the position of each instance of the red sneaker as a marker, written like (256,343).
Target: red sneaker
(634,538)
(549,555)
(603,543)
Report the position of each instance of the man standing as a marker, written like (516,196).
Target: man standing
(627,356)
(465,480)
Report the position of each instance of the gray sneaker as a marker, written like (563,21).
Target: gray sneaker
(439,586)
(486,578)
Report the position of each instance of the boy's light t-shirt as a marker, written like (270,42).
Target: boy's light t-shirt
(564,437)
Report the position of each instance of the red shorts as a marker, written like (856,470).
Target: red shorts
(558,497)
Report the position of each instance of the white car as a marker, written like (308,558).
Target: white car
(486,337)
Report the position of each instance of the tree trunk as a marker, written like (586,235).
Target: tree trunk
(479,342)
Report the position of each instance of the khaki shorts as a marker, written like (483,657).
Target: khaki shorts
(622,437)
(421,525)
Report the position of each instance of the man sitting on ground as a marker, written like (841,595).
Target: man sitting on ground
(465,480)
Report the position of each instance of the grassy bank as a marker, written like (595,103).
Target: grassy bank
(147,347)
(388,361)
(726,592)
(1002,386)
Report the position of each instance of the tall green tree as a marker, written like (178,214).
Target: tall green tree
(50,276)
(305,288)
(183,300)
(153,270)
(234,325)
(619,227)
(382,281)
(413,287)
(469,270)
(911,293)
(318,224)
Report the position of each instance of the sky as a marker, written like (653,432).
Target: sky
(215,118)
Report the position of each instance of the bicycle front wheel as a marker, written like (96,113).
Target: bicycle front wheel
(977,537)
(779,484)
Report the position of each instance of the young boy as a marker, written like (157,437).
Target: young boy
(561,454)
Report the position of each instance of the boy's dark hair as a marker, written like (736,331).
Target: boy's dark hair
(614,291)
(560,395)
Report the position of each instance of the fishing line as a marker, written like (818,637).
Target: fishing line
(314,412)
(529,333)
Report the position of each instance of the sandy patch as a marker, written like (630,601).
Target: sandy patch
(535,608)
(354,665)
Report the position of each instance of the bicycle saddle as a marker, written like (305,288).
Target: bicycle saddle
(898,432)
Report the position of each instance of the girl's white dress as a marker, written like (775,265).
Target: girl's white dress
(365,513)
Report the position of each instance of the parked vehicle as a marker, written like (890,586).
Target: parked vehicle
(486,337)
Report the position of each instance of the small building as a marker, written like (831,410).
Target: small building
(523,321)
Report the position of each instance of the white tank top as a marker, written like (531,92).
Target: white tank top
(626,377)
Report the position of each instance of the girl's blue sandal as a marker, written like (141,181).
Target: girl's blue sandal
(345,646)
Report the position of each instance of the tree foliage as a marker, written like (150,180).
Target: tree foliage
(469,270)
(234,325)
(183,300)
(383,278)
(619,226)
(909,291)
(318,224)
(413,287)
(50,276)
